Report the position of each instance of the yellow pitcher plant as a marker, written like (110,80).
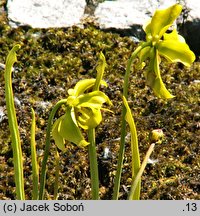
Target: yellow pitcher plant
(159,43)
(171,46)
(83,110)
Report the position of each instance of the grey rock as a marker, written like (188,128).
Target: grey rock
(45,14)
(125,13)
(128,16)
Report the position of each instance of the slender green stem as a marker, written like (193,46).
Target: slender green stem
(93,164)
(13,125)
(137,178)
(123,126)
(57,157)
(35,171)
(91,134)
(47,147)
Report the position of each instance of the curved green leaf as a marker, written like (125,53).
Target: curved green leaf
(154,79)
(173,36)
(93,99)
(68,129)
(144,54)
(83,85)
(162,20)
(176,51)
(59,141)
(158,86)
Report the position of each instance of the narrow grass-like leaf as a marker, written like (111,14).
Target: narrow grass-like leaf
(35,170)
(57,158)
(134,148)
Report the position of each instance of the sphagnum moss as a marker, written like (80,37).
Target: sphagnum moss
(52,60)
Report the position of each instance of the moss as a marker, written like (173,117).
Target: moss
(51,61)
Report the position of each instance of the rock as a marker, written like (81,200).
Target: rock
(127,17)
(125,13)
(45,14)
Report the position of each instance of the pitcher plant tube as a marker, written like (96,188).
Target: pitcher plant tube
(13,125)
(159,43)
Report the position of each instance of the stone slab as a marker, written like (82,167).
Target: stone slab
(45,13)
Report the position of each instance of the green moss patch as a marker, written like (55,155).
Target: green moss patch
(51,61)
